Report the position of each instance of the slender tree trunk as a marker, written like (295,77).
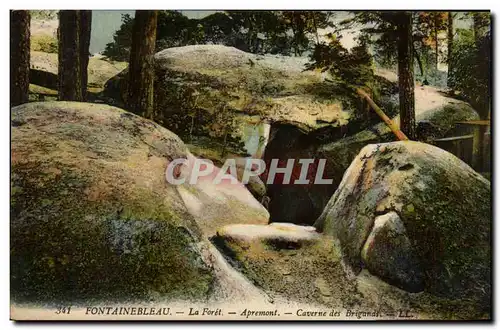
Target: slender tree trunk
(315,27)
(450,49)
(85,28)
(19,56)
(405,76)
(70,87)
(476,27)
(141,66)
(251,34)
(419,62)
(436,40)
(479,25)
(295,43)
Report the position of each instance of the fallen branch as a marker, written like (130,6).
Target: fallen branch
(394,128)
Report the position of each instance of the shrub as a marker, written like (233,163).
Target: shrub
(44,43)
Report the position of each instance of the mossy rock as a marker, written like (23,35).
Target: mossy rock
(389,254)
(443,204)
(290,261)
(91,214)
(443,117)
(212,85)
(99,70)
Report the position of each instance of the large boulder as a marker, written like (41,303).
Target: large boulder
(92,215)
(276,86)
(416,216)
(211,90)
(99,70)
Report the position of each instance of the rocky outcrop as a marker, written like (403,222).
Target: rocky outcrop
(211,90)
(416,216)
(99,70)
(290,261)
(282,235)
(44,78)
(436,111)
(217,204)
(273,86)
(93,216)
(388,252)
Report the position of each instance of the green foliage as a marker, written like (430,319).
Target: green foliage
(471,69)
(119,49)
(274,32)
(351,68)
(302,23)
(44,43)
(44,14)
(379,31)
(382,29)
(348,69)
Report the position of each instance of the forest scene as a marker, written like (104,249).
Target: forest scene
(355,148)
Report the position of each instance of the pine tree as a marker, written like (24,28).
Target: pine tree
(70,84)
(85,28)
(141,66)
(19,56)
(450,48)
(405,75)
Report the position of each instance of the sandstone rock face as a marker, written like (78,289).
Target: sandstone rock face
(214,205)
(93,216)
(99,70)
(388,253)
(445,218)
(278,234)
(431,107)
(211,90)
(291,261)
(275,86)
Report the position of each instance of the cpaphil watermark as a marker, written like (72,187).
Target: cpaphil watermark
(291,171)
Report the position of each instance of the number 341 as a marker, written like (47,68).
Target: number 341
(63,310)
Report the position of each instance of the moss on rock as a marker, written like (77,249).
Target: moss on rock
(91,214)
(290,261)
(443,204)
(210,89)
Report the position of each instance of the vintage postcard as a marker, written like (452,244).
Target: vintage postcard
(250,165)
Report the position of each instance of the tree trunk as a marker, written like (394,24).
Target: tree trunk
(436,40)
(85,27)
(294,39)
(141,66)
(420,65)
(450,48)
(481,25)
(70,87)
(315,27)
(405,76)
(19,56)
(400,135)
(476,27)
